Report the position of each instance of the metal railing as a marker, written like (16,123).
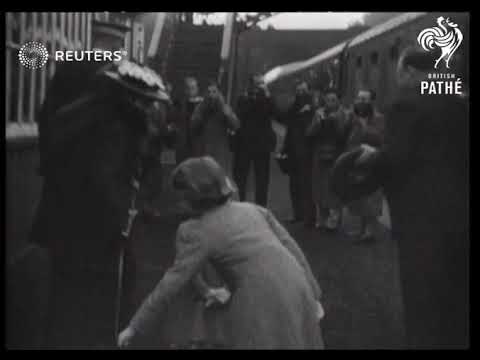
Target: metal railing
(26,88)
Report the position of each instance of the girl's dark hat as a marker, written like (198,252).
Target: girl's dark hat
(203,179)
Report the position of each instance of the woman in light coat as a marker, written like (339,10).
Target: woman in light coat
(274,300)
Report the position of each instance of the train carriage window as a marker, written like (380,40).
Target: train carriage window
(394,52)
(374,58)
(359,61)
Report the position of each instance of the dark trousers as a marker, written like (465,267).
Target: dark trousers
(301,190)
(435,292)
(243,160)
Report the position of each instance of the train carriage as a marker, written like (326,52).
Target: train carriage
(369,59)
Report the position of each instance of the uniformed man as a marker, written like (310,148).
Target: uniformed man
(97,127)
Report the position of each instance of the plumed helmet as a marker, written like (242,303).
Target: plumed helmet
(138,79)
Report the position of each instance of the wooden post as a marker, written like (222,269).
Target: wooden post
(138,40)
(89,31)
(8,64)
(62,44)
(232,67)
(43,70)
(53,48)
(33,74)
(225,54)
(156,36)
(128,43)
(21,72)
(76,31)
(69,30)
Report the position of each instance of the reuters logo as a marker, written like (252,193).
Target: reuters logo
(33,55)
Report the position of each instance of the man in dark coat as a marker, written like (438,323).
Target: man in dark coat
(211,122)
(183,110)
(328,133)
(423,169)
(255,139)
(299,154)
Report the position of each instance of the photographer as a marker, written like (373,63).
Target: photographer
(183,111)
(210,122)
(299,155)
(328,133)
(255,139)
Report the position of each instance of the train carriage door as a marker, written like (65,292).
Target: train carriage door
(391,61)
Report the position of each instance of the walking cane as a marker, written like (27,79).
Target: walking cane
(132,213)
(121,264)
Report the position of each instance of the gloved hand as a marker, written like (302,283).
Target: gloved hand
(126,337)
(320,311)
(217,296)
(306,107)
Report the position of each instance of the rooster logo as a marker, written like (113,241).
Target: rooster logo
(448,40)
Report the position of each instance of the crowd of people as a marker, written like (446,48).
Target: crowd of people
(263,293)
(335,157)
(318,130)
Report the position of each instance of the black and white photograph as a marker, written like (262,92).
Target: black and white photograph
(237,180)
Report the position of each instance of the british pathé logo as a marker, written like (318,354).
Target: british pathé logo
(447,36)
(441,84)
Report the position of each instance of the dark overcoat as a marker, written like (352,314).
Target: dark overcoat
(423,169)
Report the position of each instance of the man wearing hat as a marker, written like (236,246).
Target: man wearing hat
(423,169)
(98,125)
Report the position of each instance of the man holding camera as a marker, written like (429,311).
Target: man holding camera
(255,139)
(299,154)
(211,121)
(328,133)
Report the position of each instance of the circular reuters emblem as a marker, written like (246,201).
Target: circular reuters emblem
(33,55)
